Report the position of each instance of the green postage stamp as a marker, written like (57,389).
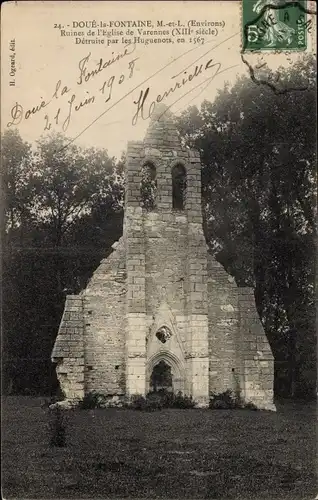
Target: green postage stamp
(274,25)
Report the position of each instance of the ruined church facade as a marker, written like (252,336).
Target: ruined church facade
(160,298)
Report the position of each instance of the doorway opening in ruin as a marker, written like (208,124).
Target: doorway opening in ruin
(161,377)
(165,371)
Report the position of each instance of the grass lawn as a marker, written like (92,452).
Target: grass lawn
(227,454)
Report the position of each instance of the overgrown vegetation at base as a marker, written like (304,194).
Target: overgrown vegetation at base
(153,401)
(93,400)
(160,400)
(228,400)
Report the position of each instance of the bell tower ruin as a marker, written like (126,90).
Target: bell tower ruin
(166,261)
(160,311)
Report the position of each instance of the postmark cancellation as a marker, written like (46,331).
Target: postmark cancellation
(275,25)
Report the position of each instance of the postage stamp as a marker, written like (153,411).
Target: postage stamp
(274,25)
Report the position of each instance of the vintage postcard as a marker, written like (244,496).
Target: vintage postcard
(158,164)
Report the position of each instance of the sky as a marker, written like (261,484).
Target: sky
(55,85)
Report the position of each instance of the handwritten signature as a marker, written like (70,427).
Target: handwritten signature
(187,78)
(209,69)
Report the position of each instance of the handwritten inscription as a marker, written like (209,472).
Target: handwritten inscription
(18,114)
(69,102)
(86,75)
(74,103)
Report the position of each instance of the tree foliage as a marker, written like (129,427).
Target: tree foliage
(16,170)
(63,210)
(258,150)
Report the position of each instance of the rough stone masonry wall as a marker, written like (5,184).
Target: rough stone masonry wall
(197,313)
(175,267)
(240,354)
(104,301)
(68,350)
(164,261)
(161,272)
(166,254)
(257,360)
(135,321)
(223,328)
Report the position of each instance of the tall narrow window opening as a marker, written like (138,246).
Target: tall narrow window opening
(148,186)
(179,187)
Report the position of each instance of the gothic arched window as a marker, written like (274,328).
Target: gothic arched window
(148,186)
(179,187)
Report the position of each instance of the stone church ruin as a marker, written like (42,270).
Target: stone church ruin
(160,311)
